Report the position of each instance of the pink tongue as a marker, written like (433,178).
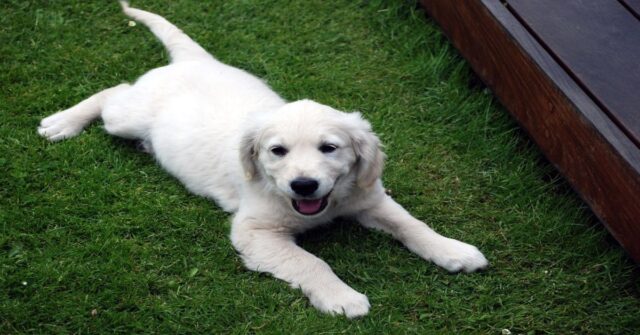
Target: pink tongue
(309,206)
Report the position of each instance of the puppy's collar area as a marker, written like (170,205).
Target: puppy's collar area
(309,207)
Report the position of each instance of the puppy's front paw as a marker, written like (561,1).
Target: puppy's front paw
(456,256)
(344,300)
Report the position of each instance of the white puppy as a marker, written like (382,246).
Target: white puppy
(280,167)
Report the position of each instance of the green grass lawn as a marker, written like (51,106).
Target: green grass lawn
(96,238)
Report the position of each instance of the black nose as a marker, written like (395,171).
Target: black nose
(304,186)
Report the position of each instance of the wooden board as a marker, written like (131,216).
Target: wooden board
(561,97)
(598,44)
(633,6)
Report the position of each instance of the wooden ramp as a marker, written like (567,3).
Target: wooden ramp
(569,72)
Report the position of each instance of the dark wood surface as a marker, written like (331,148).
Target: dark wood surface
(633,6)
(592,150)
(598,43)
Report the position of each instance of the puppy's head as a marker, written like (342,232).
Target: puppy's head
(311,155)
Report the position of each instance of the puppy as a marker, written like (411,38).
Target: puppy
(280,167)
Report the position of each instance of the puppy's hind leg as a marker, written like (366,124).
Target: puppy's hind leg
(70,122)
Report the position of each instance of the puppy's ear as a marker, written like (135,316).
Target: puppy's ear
(368,149)
(249,153)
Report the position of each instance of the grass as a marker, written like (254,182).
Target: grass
(96,238)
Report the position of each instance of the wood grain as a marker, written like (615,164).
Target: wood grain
(598,44)
(597,157)
(633,6)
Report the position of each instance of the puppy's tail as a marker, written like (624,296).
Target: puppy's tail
(180,46)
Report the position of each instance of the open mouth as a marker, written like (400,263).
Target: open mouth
(310,206)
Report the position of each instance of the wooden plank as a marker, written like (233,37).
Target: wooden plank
(597,158)
(598,43)
(633,6)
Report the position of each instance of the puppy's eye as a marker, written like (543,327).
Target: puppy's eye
(278,150)
(327,148)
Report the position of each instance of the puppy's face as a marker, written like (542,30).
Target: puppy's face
(312,155)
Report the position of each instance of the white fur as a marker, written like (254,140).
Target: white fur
(212,126)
